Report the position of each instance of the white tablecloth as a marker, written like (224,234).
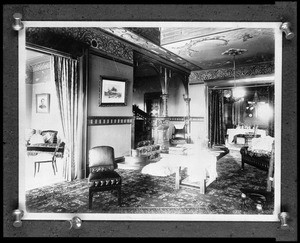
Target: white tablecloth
(199,164)
(232,132)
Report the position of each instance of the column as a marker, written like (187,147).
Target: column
(188,117)
(163,121)
(165,104)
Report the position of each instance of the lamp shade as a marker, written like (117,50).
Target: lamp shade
(238,92)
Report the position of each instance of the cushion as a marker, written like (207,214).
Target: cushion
(49,136)
(261,145)
(36,138)
(145,143)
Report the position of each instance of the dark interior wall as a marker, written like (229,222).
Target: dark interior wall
(142,85)
(151,84)
(117,135)
(176,104)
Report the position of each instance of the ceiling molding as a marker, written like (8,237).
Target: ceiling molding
(151,34)
(267,79)
(139,43)
(142,57)
(227,73)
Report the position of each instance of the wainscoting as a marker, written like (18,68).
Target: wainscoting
(113,120)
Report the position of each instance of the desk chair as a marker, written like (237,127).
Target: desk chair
(47,158)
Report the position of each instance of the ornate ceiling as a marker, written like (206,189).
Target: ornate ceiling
(193,49)
(204,47)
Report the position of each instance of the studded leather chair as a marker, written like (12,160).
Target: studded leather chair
(103,176)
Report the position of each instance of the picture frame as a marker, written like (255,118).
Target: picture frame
(112,91)
(43,103)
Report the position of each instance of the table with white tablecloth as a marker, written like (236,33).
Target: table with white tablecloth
(201,167)
(235,131)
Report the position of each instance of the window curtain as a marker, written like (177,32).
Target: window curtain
(71,92)
(216,117)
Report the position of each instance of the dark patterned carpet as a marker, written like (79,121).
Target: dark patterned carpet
(152,194)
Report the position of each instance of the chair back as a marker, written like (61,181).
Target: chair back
(179,132)
(61,144)
(102,157)
(53,134)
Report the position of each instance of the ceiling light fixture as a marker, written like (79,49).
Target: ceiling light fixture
(237,92)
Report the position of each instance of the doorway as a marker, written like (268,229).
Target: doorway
(153,103)
(39,83)
(252,112)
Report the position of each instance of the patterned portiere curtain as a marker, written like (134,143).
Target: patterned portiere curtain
(216,133)
(71,92)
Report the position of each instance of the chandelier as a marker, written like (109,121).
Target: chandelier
(237,92)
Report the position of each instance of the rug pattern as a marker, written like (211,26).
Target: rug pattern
(143,193)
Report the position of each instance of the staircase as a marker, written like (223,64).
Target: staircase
(138,113)
(143,124)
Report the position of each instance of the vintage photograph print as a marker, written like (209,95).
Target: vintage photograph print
(42,103)
(150,120)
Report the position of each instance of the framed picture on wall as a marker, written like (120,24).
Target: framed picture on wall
(43,103)
(112,91)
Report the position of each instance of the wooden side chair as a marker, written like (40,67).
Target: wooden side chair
(47,158)
(102,176)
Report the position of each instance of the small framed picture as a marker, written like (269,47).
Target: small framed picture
(112,91)
(43,103)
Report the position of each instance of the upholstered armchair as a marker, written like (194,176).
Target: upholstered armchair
(179,135)
(103,176)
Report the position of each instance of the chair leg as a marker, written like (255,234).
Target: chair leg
(119,196)
(242,167)
(53,168)
(34,169)
(90,199)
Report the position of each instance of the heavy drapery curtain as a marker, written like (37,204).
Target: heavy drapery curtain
(237,112)
(216,117)
(71,92)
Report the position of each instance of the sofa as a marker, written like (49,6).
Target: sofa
(149,149)
(258,153)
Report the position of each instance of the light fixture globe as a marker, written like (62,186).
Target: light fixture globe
(237,92)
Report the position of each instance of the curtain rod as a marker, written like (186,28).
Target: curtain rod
(46,50)
(246,86)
